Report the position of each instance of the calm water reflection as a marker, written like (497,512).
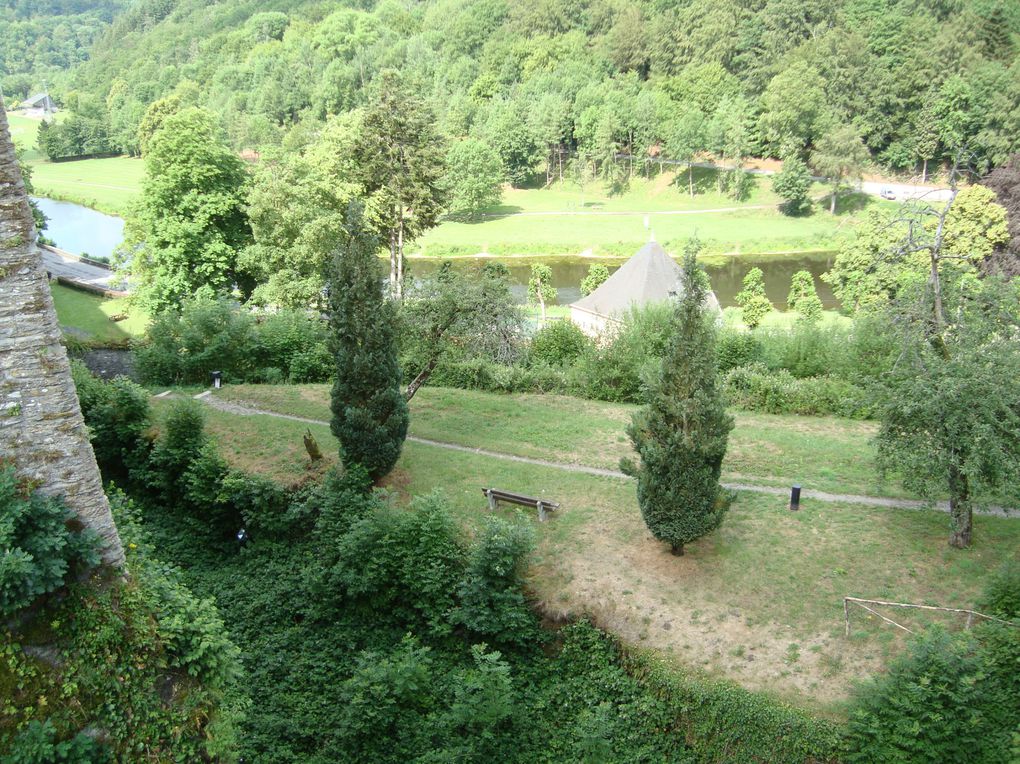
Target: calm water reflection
(726,274)
(81,230)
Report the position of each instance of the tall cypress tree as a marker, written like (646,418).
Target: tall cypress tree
(369,412)
(681,434)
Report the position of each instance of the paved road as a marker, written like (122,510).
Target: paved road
(70,267)
(873,501)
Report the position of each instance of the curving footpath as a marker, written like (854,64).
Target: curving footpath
(871,501)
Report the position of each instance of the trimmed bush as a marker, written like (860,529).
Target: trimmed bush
(558,344)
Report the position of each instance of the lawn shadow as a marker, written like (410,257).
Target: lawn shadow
(496,212)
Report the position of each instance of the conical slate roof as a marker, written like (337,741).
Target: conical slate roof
(649,276)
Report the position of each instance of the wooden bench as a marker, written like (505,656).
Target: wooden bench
(494,495)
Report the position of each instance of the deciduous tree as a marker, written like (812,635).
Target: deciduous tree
(840,155)
(474,177)
(793,184)
(190,222)
(540,286)
(804,298)
(399,158)
(597,275)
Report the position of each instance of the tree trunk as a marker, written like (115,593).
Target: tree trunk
(961,509)
(690,178)
(677,550)
(832,203)
(421,379)
(400,256)
(393,264)
(924,171)
(42,433)
(541,301)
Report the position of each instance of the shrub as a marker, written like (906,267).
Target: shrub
(407,562)
(950,698)
(738,349)
(1001,596)
(755,388)
(39,544)
(37,744)
(260,503)
(118,416)
(181,441)
(490,600)
(558,343)
(205,335)
(295,343)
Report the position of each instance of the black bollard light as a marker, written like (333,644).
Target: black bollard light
(242,537)
(795,498)
(217,379)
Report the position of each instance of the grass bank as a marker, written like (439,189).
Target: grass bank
(90,317)
(109,185)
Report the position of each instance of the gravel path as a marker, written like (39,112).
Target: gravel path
(871,501)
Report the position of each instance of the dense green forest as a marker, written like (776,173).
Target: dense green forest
(915,79)
(43,38)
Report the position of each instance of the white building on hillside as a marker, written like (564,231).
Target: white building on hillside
(649,276)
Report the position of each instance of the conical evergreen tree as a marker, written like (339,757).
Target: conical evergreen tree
(681,435)
(370,415)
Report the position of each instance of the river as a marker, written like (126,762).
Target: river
(80,230)
(725,272)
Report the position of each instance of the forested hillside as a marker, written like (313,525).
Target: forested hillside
(915,79)
(42,38)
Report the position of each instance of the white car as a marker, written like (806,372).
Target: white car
(888,193)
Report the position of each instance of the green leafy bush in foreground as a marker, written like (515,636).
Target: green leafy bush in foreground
(41,541)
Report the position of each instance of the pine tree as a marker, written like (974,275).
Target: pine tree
(752,298)
(369,412)
(681,435)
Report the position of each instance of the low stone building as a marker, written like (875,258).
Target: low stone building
(650,276)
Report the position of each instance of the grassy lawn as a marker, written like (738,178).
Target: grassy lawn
(501,230)
(759,601)
(822,453)
(108,185)
(90,315)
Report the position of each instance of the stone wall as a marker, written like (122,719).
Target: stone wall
(41,427)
